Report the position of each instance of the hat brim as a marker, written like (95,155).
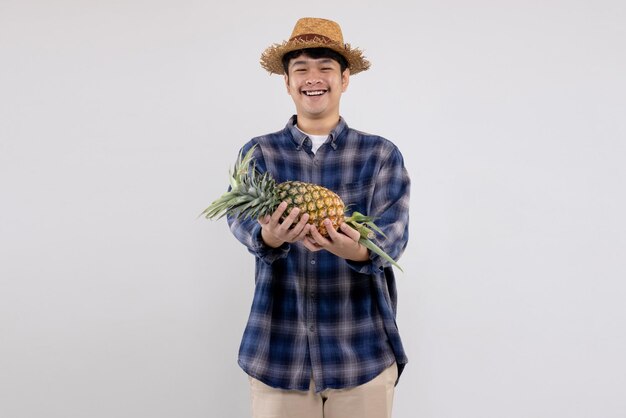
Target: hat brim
(271,59)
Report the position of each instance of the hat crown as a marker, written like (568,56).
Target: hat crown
(314,32)
(308,28)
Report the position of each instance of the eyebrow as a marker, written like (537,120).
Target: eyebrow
(306,61)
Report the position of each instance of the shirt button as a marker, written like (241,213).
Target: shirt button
(312,261)
(312,328)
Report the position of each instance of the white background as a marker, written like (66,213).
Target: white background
(119,121)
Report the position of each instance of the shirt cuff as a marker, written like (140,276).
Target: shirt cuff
(373,265)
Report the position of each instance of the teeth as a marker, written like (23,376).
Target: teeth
(314,93)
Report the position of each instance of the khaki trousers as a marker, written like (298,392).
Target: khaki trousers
(373,399)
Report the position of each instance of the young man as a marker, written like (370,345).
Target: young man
(321,339)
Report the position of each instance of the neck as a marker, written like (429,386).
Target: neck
(318,126)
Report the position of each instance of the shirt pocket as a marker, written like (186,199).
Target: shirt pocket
(357,196)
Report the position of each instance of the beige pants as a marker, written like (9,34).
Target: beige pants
(373,399)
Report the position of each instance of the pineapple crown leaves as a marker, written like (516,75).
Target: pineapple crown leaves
(364,224)
(249,195)
(366,227)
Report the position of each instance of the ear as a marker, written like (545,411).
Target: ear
(286,77)
(345,80)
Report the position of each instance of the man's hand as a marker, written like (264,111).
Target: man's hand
(276,233)
(343,243)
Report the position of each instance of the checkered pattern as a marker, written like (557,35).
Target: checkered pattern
(315,315)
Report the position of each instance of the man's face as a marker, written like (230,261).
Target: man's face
(316,85)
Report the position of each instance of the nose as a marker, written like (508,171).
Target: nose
(313,81)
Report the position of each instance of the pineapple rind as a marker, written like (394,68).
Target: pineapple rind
(297,194)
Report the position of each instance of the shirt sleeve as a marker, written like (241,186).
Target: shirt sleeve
(390,209)
(248,231)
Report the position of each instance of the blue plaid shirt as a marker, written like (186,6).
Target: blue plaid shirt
(315,315)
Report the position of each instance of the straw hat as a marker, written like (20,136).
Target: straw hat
(311,32)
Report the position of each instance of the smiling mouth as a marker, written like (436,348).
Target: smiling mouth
(313,92)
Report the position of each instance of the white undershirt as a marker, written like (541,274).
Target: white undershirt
(316,140)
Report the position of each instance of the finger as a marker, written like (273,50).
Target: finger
(264,220)
(300,229)
(289,220)
(278,213)
(318,238)
(351,232)
(310,244)
(332,233)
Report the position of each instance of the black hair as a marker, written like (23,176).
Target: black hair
(315,53)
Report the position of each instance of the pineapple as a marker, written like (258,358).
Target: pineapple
(319,202)
(254,195)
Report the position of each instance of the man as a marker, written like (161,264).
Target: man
(321,339)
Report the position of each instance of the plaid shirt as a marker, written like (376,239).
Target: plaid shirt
(315,315)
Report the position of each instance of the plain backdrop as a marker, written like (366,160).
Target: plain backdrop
(119,121)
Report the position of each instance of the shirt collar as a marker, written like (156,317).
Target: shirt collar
(300,139)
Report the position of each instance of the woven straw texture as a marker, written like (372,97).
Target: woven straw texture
(314,33)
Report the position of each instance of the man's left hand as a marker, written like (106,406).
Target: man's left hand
(343,243)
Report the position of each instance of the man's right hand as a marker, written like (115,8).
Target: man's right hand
(276,233)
